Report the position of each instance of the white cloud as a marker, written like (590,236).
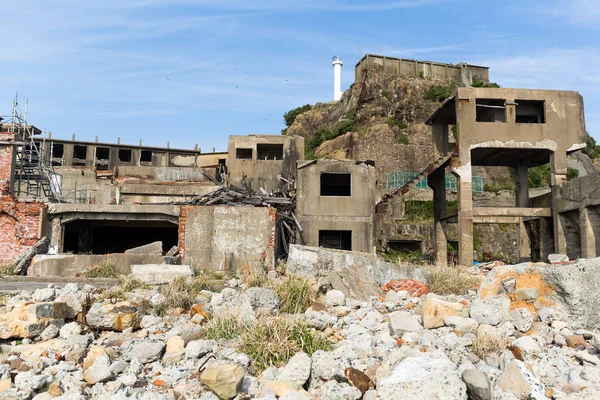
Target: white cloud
(576,12)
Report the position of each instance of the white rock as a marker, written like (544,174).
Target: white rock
(99,371)
(522,319)
(527,344)
(491,310)
(461,324)
(199,348)
(297,369)
(50,332)
(557,258)
(402,321)
(70,329)
(335,298)
(149,321)
(319,319)
(148,351)
(45,294)
(338,391)
(28,381)
(262,299)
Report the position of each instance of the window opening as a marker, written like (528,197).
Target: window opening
(336,184)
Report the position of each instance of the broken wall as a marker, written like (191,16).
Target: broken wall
(226,238)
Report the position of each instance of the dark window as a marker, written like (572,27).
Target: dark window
(530,112)
(333,184)
(405,246)
(79,152)
(341,240)
(146,156)
(58,150)
(269,151)
(102,153)
(125,155)
(243,154)
(490,110)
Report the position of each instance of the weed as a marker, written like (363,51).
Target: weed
(254,275)
(129,283)
(160,309)
(295,294)
(395,256)
(104,269)
(486,344)
(402,139)
(206,280)
(450,280)
(386,94)
(224,327)
(7,269)
(3,299)
(402,124)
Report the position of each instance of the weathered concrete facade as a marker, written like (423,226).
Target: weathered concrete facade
(502,127)
(257,160)
(336,201)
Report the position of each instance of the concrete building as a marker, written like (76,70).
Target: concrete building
(518,128)
(335,206)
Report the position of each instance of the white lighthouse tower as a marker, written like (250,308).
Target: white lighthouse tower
(337,78)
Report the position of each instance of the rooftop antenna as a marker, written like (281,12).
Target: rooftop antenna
(337,77)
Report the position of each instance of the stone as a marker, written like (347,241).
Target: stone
(435,310)
(44,295)
(338,391)
(160,274)
(461,324)
(491,310)
(175,343)
(576,341)
(24,260)
(396,297)
(76,355)
(28,381)
(527,344)
(509,284)
(5,384)
(198,309)
(326,367)
(557,258)
(526,294)
(297,369)
(149,321)
(335,298)
(319,319)
(28,320)
(70,329)
(516,379)
(262,299)
(73,303)
(478,384)
(150,248)
(93,353)
(401,322)
(522,319)
(99,371)
(50,332)
(148,351)
(223,379)
(358,379)
(118,317)
(54,389)
(199,348)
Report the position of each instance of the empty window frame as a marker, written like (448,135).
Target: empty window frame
(269,151)
(58,150)
(530,112)
(341,240)
(243,154)
(146,156)
(125,155)
(490,110)
(336,184)
(102,153)
(79,152)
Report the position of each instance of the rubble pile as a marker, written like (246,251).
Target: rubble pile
(530,331)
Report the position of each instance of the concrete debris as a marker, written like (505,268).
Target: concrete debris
(150,248)
(24,260)
(158,274)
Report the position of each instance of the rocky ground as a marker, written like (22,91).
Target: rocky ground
(529,331)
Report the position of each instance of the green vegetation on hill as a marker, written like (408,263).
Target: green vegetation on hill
(477,83)
(323,135)
(592,150)
(440,92)
(290,116)
(541,176)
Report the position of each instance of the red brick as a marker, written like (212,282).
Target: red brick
(414,288)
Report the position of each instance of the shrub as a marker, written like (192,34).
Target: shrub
(477,83)
(541,176)
(592,150)
(224,327)
(104,269)
(403,139)
(440,92)
(7,269)
(295,295)
(450,280)
(402,124)
(486,344)
(290,116)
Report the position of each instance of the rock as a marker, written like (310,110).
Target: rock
(73,303)
(517,379)
(5,384)
(358,379)
(223,379)
(198,309)
(338,391)
(491,310)
(76,355)
(28,381)
(509,284)
(526,294)
(478,384)
(149,321)
(434,312)
(527,344)
(118,317)
(396,297)
(159,274)
(576,341)
(335,298)
(45,294)
(319,319)
(70,329)
(262,299)
(461,324)
(199,348)
(148,351)
(99,371)
(175,343)
(297,369)
(326,367)
(557,258)
(402,322)
(94,353)
(27,320)
(150,248)
(24,260)
(50,332)
(522,319)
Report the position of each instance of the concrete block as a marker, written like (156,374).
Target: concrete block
(158,274)
(150,248)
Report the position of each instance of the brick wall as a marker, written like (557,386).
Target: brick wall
(19,221)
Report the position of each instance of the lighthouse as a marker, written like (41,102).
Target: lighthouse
(337,78)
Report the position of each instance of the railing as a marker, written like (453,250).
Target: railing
(396,180)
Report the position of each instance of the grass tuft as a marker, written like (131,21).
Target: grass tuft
(104,269)
(7,269)
(224,327)
(486,344)
(450,280)
(255,275)
(295,295)
(182,292)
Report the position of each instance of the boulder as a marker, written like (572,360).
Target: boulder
(491,310)
(297,369)
(435,310)
(223,379)
(518,380)
(262,299)
(402,322)
(148,350)
(335,298)
(28,320)
(358,379)
(478,384)
(159,274)
(118,317)
(200,348)
(338,391)
(319,319)
(99,371)
(24,260)
(527,344)
(70,329)
(150,248)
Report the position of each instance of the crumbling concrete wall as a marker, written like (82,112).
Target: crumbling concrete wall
(19,221)
(71,265)
(226,238)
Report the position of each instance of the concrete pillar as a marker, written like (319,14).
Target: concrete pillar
(524,242)
(586,230)
(465,214)
(560,237)
(437,182)
(522,177)
(546,239)
(558,167)
(440,138)
(56,236)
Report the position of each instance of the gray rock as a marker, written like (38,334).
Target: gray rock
(28,381)
(199,348)
(491,310)
(148,351)
(262,299)
(326,367)
(150,320)
(70,329)
(297,369)
(461,324)
(24,260)
(478,384)
(526,294)
(45,294)
(50,332)
(402,322)
(335,298)
(319,319)
(99,371)
(338,391)
(509,284)
(522,319)
(557,258)
(527,344)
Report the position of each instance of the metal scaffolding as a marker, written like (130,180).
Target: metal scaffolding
(33,174)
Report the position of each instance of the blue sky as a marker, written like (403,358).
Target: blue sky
(196,71)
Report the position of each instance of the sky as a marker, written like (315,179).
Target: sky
(196,71)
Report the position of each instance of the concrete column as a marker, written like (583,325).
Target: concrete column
(465,214)
(437,182)
(56,236)
(558,167)
(524,242)
(440,138)
(560,237)
(586,230)
(522,176)
(546,239)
